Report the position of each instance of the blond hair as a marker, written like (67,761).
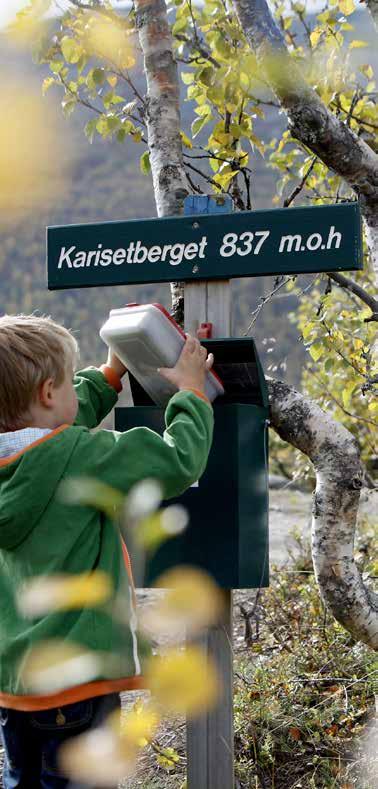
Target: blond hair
(32,350)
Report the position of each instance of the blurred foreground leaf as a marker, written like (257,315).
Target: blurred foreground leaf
(184,682)
(193,601)
(58,592)
(56,664)
(89,492)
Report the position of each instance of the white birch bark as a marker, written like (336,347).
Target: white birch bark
(373,8)
(335,457)
(300,422)
(162,117)
(309,119)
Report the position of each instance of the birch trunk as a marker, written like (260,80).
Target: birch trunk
(162,118)
(335,456)
(300,422)
(309,119)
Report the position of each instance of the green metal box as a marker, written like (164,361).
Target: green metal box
(228,530)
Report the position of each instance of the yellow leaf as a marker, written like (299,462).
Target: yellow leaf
(192,601)
(357,44)
(160,526)
(138,726)
(185,139)
(112,80)
(315,36)
(346,7)
(185,682)
(257,143)
(367,70)
(223,179)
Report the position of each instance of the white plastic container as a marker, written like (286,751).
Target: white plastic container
(145,337)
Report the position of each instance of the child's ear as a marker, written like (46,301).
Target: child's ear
(46,393)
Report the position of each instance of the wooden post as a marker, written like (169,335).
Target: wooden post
(210,738)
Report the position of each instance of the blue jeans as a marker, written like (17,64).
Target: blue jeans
(31,740)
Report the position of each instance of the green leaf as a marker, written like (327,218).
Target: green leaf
(71,50)
(90,129)
(307,330)
(179,25)
(56,66)
(198,124)
(203,109)
(194,91)
(206,76)
(46,84)
(98,76)
(221,47)
(316,351)
(244,80)
(347,393)
(366,70)
(113,123)
(68,105)
(187,77)
(145,164)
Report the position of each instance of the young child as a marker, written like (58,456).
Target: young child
(46,412)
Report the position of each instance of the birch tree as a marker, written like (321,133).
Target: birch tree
(237,65)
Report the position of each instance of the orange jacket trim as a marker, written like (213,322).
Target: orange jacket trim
(196,392)
(112,377)
(71,695)
(12,458)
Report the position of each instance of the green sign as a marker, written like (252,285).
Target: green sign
(206,246)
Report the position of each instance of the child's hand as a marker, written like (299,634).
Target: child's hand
(115,363)
(190,370)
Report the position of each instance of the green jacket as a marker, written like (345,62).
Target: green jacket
(41,535)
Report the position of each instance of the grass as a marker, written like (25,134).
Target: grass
(304,698)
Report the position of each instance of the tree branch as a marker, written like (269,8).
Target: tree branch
(348,284)
(97,9)
(300,186)
(310,121)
